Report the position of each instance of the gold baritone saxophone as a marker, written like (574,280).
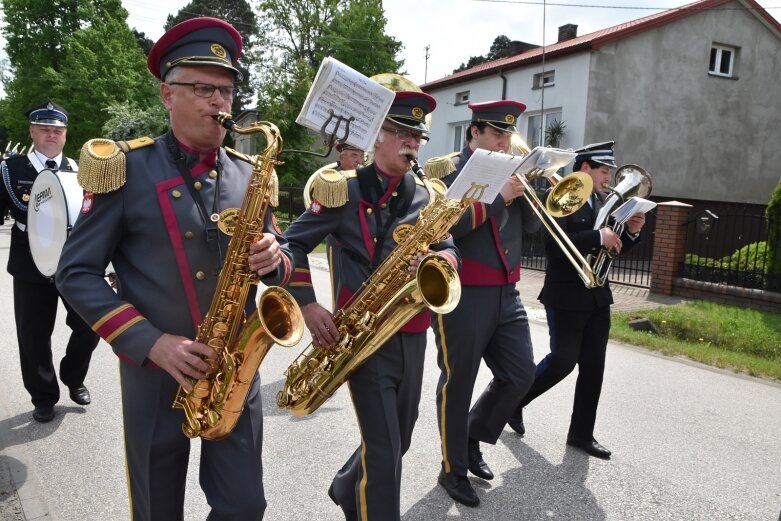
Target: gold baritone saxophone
(215,403)
(387,300)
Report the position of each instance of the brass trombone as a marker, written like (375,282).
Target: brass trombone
(567,195)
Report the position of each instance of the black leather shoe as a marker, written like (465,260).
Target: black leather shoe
(43,413)
(516,422)
(349,515)
(459,488)
(80,395)
(477,464)
(591,447)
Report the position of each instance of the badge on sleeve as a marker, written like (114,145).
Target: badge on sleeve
(86,203)
(315,207)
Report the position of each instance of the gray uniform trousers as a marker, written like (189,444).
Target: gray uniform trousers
(489,323)
(157,453)
(385,391)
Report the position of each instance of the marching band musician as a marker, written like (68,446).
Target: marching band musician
(362,215)
(578,317)
(350,156)
(490,321)
(155,219)
(35,296)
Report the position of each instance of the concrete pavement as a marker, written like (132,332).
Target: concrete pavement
(689,442)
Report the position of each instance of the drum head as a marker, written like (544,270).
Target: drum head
(51,211)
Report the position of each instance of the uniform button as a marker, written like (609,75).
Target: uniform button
(197,185)
(213,174)
(506,252)
(188,235)
(176,194)
(200,275)
(375,239)
(383,205)
(394,194)
(369,211)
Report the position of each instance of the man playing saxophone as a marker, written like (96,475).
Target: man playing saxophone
(152,209)
(490,321)
(578,317)
(363,215)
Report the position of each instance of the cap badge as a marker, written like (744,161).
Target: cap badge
(509,118)
(417,112)
(50,106)
(218,50)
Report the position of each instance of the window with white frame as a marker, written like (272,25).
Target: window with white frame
(536,134)
(544,79)
(459,136)
(722,60)
(462,97)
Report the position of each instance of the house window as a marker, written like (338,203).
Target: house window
(462,97)
(544,79)
(535,137)
(722,60)
(459,136)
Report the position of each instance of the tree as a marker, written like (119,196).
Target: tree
(94,63)
(501,48)
(298,35)
(126,121)
(240,15)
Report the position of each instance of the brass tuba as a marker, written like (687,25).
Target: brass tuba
(387,300)
(214,404)
(631,181)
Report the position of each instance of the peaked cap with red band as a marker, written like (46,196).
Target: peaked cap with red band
(502,115)
(196,42)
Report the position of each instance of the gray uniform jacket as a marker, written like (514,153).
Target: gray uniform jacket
(152,232)
(354,226)
(489,236)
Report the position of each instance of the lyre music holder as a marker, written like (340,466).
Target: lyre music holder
(329,139)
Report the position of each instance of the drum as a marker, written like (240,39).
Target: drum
(55,203)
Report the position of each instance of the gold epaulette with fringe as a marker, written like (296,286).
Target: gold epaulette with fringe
(328,186)
(102,163)
(440,166)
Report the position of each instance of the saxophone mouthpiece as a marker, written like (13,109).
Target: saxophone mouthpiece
(225,119)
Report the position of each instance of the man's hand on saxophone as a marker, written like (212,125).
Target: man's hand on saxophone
(182,358)
(265,255)
(320,323)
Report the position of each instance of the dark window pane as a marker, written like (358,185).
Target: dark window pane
(726,59)
(712,66)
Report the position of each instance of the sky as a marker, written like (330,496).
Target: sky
(455,30)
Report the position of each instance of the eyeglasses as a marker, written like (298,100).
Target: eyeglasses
(407,135)
(205,90)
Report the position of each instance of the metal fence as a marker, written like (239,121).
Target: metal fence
(728,248)
(632,268)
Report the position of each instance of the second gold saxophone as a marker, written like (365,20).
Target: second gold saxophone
(215,403)
(387,300)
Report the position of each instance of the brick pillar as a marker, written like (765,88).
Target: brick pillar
(669,244)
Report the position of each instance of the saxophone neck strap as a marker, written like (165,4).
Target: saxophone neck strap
(371,191)
(180,160)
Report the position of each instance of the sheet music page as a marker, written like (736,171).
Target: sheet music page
(483,176)
(347,93)
(632,206)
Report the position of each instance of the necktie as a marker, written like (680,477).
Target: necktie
(51,164)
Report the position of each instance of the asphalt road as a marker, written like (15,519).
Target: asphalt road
(688,442)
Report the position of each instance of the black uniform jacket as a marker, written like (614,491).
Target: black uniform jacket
(563,287)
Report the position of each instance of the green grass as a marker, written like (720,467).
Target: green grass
(742,340)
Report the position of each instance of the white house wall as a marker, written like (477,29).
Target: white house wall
(568,95)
